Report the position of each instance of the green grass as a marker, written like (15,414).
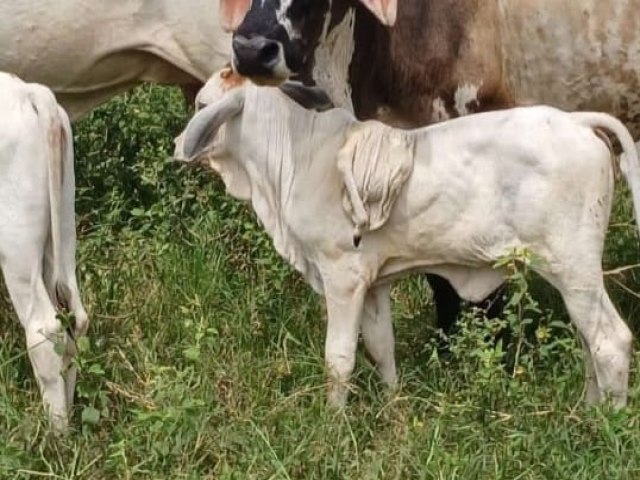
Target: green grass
(204,356)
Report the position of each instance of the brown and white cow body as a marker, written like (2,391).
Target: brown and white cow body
(442,59)
(37,234)
(416,62)
(87,51)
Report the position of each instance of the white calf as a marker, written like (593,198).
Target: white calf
(353,205)
(37,233)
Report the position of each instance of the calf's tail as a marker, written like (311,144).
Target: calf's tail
(629,162)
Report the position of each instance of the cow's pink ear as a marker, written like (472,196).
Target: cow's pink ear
(384,10)
(232,13)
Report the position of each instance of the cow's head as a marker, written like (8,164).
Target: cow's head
(276,38)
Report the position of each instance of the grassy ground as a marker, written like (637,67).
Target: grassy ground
(204,357)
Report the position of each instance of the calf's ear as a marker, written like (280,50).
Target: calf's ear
(311,98)
(384,10)
(204,125)
(232,12)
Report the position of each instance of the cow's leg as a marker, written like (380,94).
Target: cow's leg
(43,331)
(377,332)
(591,382)
(606,338)
(447,302)
(72,302)
(448,308)
(71,372)
(344,311)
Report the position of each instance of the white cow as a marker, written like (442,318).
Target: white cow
(37,233)
(353,205)
(87,51)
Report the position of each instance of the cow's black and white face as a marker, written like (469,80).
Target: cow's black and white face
(277,37)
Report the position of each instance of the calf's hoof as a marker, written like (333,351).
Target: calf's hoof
(337,395)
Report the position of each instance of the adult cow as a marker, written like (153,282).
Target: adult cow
(37,234)
(445,58)
(87,51)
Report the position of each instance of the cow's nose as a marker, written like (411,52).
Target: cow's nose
(256,55)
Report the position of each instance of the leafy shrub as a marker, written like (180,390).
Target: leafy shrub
(127,183)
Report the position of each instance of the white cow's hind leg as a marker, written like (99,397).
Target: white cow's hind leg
(591,382)
(377,332)
(43,332)
(71,373)
(344,311)
(606,338)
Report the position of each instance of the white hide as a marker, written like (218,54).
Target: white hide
(332,59)
(37,233)
(439,111)
(464,95)
(479,189)
(283,19)
(87,51)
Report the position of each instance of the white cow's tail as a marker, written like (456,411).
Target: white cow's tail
(56,140)
(629,163)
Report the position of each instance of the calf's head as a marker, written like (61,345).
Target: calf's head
(277,38)
(214,136)
(206,139)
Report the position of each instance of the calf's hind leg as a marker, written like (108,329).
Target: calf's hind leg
(591,383)
(605,337)
(377,332)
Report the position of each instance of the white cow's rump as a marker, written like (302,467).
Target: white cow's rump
(474,189)
(37,233)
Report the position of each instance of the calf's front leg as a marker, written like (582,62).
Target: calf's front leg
(344,311)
